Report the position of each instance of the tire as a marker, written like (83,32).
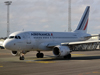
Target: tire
(21,58)
(41,55)
(67,56)
(38,55)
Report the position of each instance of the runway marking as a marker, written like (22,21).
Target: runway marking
(46,62)
(5,54)
(80,74)
(88,73)
(78,54)
(1,66)
(96,72)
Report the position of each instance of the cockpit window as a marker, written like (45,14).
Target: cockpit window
(19,37)
(16,37)
(11,37)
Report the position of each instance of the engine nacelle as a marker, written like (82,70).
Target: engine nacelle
(61,50)
(15,53)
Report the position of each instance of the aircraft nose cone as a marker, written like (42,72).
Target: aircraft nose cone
(6,44)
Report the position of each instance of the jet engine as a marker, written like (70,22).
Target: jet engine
(61,50)
(15,53)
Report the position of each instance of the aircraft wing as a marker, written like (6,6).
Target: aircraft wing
(50,45)
(80,42)
(93,35)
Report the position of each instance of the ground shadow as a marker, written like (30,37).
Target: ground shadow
(73,58)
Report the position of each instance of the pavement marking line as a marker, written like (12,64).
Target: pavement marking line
(80,74)
(4,53)
(78,54)
(45,61)
(40,62)
(96,72)
(88,73)
(1,66)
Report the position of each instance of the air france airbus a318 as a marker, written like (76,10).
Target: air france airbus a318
(22,42)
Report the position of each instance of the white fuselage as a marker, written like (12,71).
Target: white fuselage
(30,40)
(22,42)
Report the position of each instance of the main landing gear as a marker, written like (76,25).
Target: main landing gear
(67,56)
(39,55)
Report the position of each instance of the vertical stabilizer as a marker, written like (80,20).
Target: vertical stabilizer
(82,26)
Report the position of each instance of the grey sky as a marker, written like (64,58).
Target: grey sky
(47,15)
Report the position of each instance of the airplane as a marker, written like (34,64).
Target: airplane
(21,42)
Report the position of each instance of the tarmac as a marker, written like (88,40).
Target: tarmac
(81,63)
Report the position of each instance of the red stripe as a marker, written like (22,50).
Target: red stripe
(85,25)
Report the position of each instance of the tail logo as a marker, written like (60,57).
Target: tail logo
(84,20)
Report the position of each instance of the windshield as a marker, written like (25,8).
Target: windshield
(14,37)
(11,37)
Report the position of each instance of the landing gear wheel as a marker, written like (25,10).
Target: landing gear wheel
(39,55)
(21,58)
(67,56)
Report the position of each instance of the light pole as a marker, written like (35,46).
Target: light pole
(8,3)
(69,16)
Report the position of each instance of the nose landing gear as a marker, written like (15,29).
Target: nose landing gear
(22,56)
(39,55)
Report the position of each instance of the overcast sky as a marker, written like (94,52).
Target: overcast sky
(48,15)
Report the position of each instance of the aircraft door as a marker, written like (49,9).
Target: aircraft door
(28,38)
